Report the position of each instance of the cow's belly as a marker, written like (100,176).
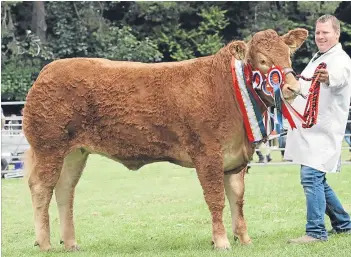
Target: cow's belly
(181,158)
(234,155)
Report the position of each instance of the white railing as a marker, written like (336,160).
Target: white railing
(14,144)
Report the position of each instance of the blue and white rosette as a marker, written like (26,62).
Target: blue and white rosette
(275,79)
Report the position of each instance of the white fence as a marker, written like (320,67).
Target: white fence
(14,144)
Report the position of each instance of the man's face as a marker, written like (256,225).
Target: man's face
(325,36)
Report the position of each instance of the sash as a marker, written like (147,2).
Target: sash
(257,120)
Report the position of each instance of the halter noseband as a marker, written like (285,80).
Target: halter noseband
(286,72)
(289,70)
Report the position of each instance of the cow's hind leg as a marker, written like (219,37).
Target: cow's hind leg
(234,187)
(43,174)
(211,176)
(73,166)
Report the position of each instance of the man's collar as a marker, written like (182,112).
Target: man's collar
(330,50)
(333,48)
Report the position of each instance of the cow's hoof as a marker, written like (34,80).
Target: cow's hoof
(43,247)
(72,248)
(243,239)
(221,244)
(248,242)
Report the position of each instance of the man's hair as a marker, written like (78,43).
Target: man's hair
(335,22)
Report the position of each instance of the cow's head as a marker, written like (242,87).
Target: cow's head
(267,49)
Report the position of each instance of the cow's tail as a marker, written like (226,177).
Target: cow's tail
(29,161)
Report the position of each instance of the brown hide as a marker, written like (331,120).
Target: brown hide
(137,113)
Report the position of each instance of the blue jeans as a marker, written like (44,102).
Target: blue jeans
(282,142)
(320,199)
(348,138)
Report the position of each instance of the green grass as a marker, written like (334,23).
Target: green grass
(160,211)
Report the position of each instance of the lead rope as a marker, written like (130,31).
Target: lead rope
(311,109)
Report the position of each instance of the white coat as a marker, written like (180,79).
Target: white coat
(319,147)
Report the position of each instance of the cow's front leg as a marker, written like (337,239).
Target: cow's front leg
(210,174)
(234,188)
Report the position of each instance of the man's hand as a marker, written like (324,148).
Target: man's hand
(324,76)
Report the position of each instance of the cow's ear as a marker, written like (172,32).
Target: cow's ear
(295,38)
(238,49)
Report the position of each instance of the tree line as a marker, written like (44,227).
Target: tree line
(36,33)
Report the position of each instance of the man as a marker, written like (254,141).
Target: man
(318,149)
(348,132)
(2,119)
(3,160)
(14,124)
(261,158)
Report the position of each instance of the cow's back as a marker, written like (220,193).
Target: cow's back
(128,110)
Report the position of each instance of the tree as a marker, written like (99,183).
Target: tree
(38,20)
(143,31)
(284,16)
(22,54)
(343,14)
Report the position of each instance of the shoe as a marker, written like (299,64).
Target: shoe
(304,240)
(260,161)
(343,231)
(268,157)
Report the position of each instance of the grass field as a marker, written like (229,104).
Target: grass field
(160,211)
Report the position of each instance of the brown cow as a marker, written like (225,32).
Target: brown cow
(135,113)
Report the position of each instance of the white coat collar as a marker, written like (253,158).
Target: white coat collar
(333,49)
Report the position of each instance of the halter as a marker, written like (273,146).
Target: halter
(258,122)
(259,79)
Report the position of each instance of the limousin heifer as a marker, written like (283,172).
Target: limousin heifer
(136,113)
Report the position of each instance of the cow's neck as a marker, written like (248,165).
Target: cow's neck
(221,71)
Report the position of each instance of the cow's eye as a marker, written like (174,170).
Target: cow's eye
(263,62)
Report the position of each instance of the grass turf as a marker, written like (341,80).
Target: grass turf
(160,211)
